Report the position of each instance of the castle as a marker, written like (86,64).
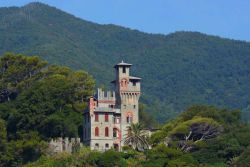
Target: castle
(110,114)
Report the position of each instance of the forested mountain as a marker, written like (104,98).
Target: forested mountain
(178,69)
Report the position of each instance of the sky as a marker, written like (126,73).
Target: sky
(225,18)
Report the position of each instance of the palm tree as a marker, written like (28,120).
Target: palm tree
(136,137)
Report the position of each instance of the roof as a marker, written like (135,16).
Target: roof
(134,78)
(122,64)
(105,109)
(130,78)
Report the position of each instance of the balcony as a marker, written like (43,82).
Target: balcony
(105,109)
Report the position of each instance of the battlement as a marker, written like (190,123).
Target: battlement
(108,96)
(64,145)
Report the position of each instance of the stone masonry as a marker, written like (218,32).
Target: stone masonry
(64,145)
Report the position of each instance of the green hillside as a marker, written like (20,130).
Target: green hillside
(178,69)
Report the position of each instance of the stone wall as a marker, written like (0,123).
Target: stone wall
(64,145)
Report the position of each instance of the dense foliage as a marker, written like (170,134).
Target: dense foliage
(225,144)
(221,145)
(37,102)
(178,69)
(41,101)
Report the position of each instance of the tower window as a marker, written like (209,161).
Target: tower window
(96,131)
(124,69)
(107,132)
(117,120)
(129,119)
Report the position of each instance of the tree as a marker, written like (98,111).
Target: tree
(18,72)
(243,159)
(192,131)
(146,118)
(136,137)
(3,143)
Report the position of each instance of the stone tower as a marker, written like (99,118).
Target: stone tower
(128,92)
(109,114)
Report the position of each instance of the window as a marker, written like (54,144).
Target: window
(115,132)
(124,106)
(124,83)
(106,145)
(121,83)
(134,106)
(129,119)
(96,117)
(124,69)
(96,145)
(107,132)
(116,147)
(134,83)
(117,120)
(106,117)
(96,131)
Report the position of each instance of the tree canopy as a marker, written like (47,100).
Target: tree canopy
(39,101)
(219,138)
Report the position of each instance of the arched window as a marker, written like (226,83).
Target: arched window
(124,83)
(107,132)
(115,132)
(129,119)
(96,117)
(96,131)
(106,145)
(96,146)
(106,117)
